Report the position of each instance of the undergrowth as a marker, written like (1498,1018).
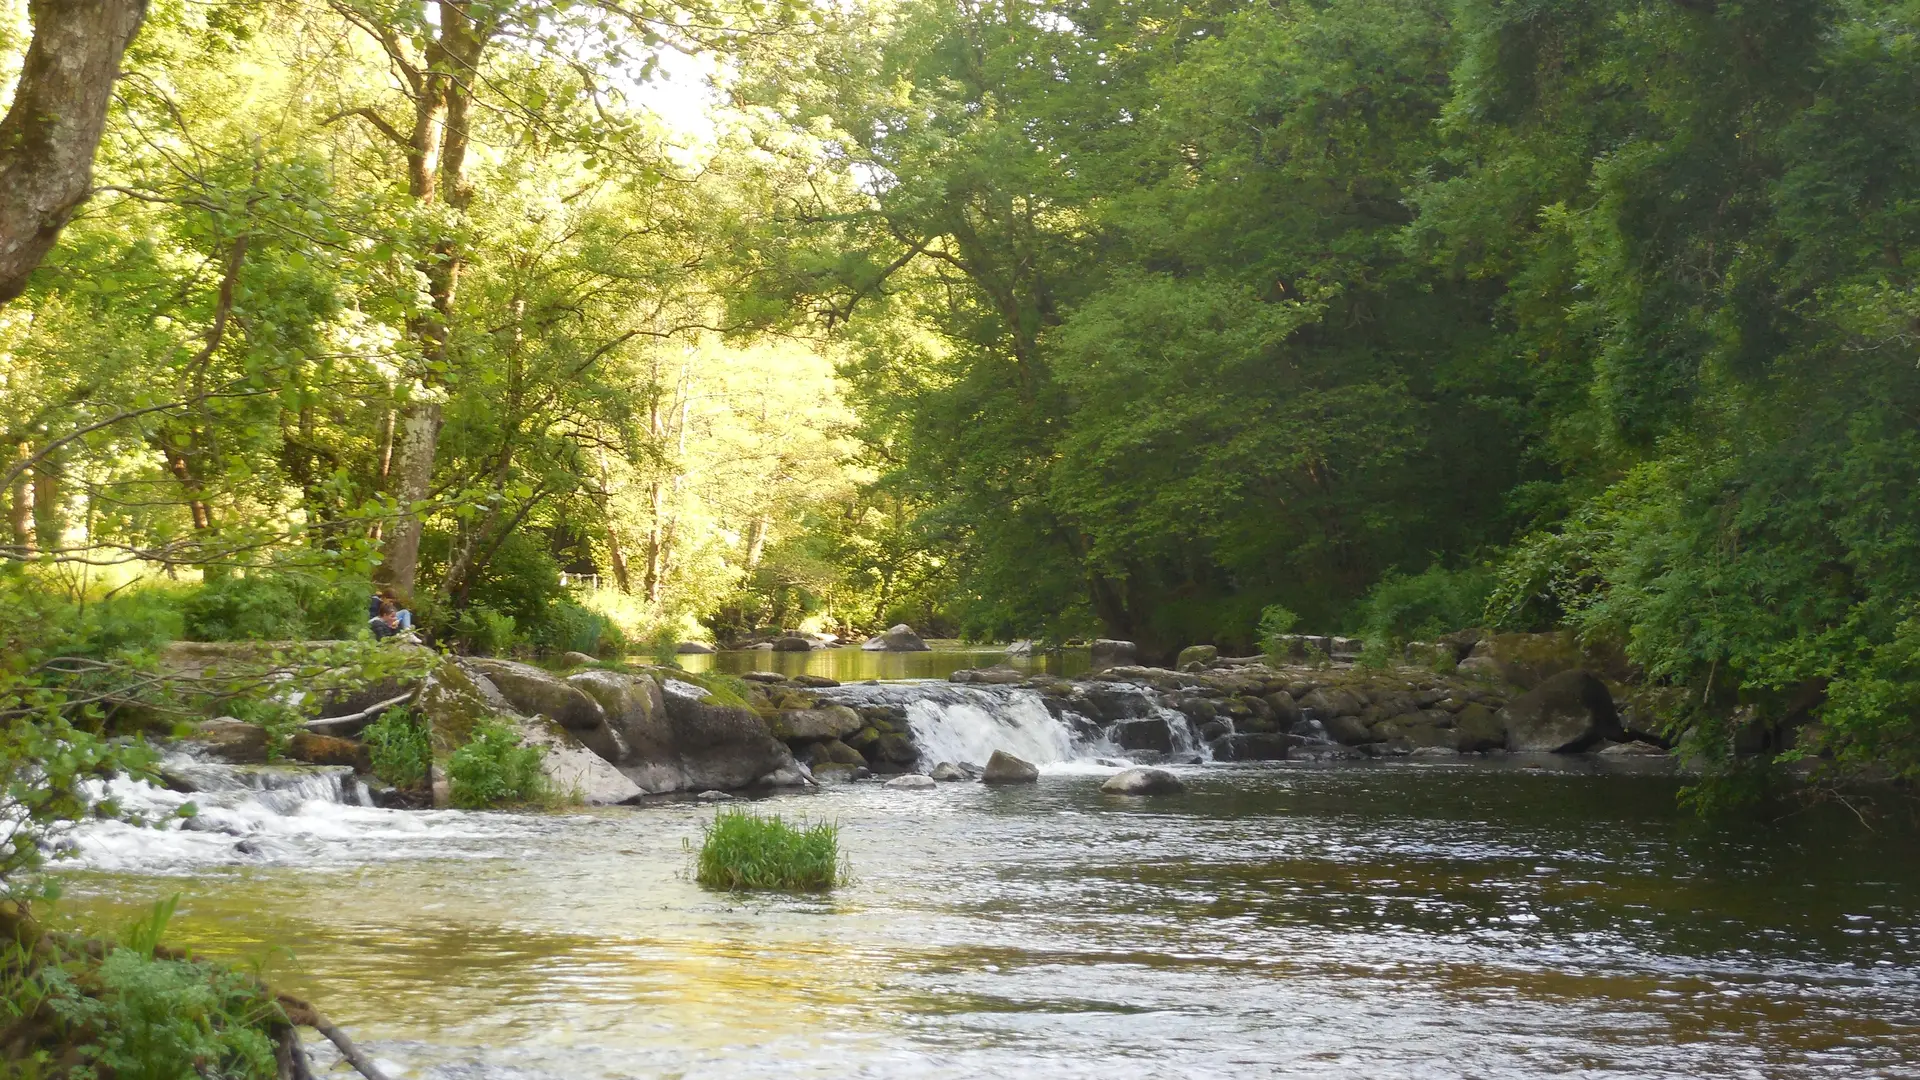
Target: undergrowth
(744,851)
(401,748)
(496,769)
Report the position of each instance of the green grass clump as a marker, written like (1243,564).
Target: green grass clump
(744,851)
(400,748)
(495,769)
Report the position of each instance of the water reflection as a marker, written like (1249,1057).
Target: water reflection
(1392,921)
(853,664)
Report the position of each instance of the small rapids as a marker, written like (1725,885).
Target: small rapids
(265,815)
(967,723)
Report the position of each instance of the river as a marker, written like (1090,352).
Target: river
(1409,919)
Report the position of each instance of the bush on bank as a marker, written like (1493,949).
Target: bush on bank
(496,769)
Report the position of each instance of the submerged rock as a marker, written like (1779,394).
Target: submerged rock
(1264,747)
(948,771)
(226,739)
(792,643)
(1142,735)
(1004,768)
(911,782)
(900,638)
(1567,713)
(1143,782)
(713,796)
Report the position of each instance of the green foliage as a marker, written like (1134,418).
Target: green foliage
(482,630)
(273,607)
(573,628)
(132,1014)
(664,647)
(495,769)
(401,748)
(742,851)
(1424,606)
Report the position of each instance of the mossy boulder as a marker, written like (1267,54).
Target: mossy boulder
(1570,712)
(1197,654)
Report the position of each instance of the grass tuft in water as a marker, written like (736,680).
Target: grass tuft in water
(744,851)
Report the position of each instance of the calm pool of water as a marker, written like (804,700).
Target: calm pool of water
(856,665)
(1400,920)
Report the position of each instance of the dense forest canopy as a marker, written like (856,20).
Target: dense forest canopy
(1123,317)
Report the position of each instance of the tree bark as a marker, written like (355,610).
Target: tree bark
(20,510)
(49,497)
(413,479)
(48,138)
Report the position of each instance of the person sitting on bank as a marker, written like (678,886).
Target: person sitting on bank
(392,621)
(376,606)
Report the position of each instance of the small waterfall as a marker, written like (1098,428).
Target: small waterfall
(967,723)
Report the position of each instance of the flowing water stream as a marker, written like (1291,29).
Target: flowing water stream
(1413,919)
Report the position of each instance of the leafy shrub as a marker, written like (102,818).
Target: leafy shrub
(495,769)
(742,851)
(665,647)
(480,629)
(573,628)
(136,1016)
(1424,606)
(400,747)
(1275,620)
(270,606)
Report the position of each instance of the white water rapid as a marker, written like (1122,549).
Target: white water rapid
(965,724)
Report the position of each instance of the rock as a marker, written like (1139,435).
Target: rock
(1020,648)
(535,692)
(706,745)
(1328,702)
(713,796)
(792,643)
(900,638)
(577,659)
(1434,752)
(833,752)
(948,771)
(572,770)
(328,750)
(1420,729)
(824,722)
(1272,747)
(1525,660)
(1632,749)
(816,682)
(998,675)
(453,699)
(227,739)
(897,749)
(1108,652)
(912,782)
(839,774)
(1004,768)
(1478,729)
(1565,714)
(1142,735)
(1196,654)
(762,646)
(693,648)
(681,688)
(1323,752)
(1143,782)
(768,677)
(794,774)
(1286,711)
(1351,731)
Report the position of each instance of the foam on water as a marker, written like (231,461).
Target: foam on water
(966,724)
(267,815)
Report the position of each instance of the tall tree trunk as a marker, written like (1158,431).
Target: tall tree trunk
(48,138)
(49,498)
(413,480)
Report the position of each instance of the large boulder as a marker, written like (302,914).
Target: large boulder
(708,744)
(833,752)
(1478,729)
(693,648)
(900,638)
(1108,652)
(1196,654)
(1143,735)
(305,746)
(574,772)
(1348,730)
(792,643)
(1327,702)
(1567,713)
(226,739)
(998,675)
(824,722)
(1004,768)
(537,692)
(1143,782)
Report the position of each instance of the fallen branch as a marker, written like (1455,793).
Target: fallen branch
(343,725)
(305,1015)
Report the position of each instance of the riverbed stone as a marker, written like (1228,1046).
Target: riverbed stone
(329,750)
(1328,702)
(893,748)
(1110,652)
(814,682)
(1004,768)
(947,771)
(899,638)
(912,782)
(792,643)
(1348,730)
(1151,734)
(1567,713)
(821,722)
(704,744)
(693,648)
(1139,781)
(1286,711)
(534,691)
(1196,654)
(1254,747)
(1478,729)
(224,738)
(833,752)
(998,675)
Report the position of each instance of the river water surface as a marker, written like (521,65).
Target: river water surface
(1393,920)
